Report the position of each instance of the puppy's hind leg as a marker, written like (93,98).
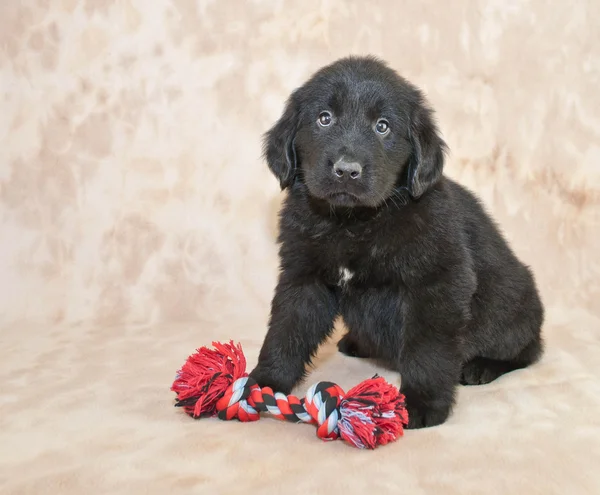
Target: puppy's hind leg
(351,346)
(482,370)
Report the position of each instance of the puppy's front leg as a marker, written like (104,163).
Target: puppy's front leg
(302,317)
(429,379)
(429,361)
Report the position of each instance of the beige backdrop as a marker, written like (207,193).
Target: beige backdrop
(138,221)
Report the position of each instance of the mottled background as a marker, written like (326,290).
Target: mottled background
(138,221)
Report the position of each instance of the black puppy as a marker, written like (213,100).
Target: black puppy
(371,230)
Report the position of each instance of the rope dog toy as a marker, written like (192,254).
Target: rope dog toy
(214,382)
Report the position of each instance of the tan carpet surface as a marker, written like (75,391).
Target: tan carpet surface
(138,222)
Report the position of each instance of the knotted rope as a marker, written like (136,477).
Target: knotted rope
(213,382)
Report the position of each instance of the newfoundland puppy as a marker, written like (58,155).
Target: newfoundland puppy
(372,231)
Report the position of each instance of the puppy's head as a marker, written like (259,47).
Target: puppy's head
(356,133)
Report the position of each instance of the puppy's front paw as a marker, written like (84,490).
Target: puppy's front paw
(266,378)
(424,417)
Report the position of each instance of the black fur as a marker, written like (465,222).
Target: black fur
(421,275)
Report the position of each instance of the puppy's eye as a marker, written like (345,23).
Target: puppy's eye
(325,119)
(382,126)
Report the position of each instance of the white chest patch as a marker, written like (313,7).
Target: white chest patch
(345,276)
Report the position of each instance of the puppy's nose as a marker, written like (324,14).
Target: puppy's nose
(347,170)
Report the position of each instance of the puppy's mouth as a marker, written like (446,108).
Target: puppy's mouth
(343,199)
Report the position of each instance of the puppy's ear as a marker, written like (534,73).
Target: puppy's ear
(428,155)
(279,144)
